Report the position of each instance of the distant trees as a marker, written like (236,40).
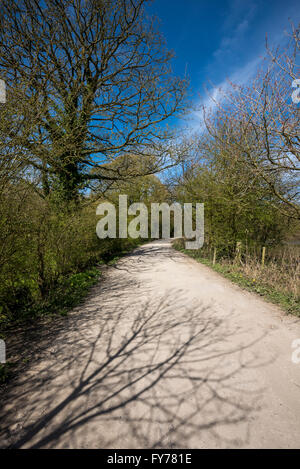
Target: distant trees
(94,80)
(238,205)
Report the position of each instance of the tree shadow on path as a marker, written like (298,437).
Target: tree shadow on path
(147,375)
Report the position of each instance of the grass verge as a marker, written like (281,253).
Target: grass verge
(67,293)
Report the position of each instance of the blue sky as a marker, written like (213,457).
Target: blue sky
(219,39)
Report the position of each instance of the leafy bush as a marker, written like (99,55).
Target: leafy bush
(48,251)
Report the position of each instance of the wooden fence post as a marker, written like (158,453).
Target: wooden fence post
(238,251)
(263,255)
(215,256)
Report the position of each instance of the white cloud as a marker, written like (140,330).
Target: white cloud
(215,94)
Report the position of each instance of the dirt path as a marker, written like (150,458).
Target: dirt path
(164,353)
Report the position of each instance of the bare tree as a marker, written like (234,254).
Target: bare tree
(261,124)
(96,76)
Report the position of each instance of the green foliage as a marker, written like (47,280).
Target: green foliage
(238,207)
(48,250)
(67,293)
